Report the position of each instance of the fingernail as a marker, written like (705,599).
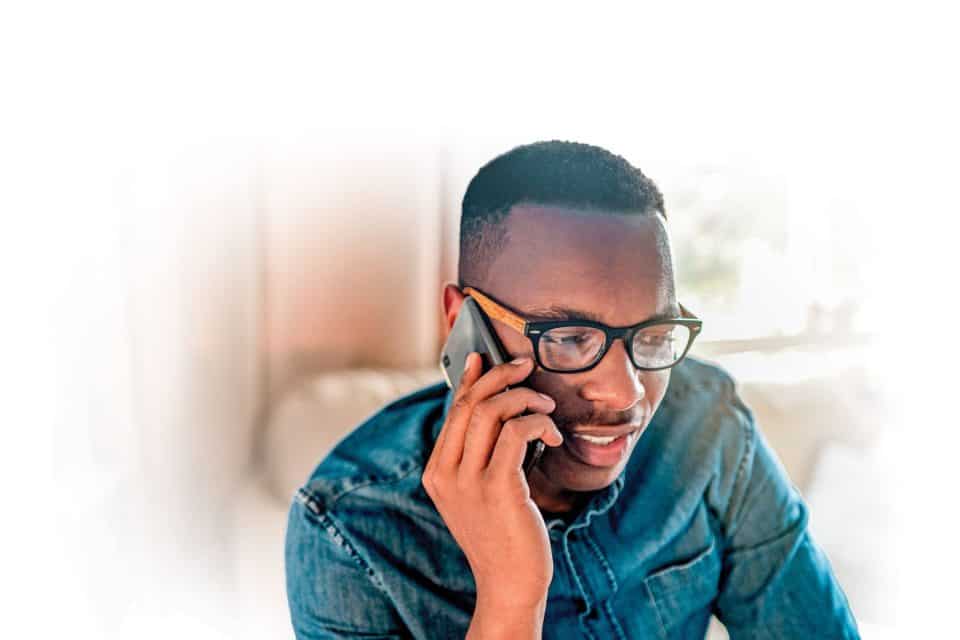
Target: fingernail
(520,360)
(545,396)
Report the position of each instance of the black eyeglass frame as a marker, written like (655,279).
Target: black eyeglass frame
(535,330)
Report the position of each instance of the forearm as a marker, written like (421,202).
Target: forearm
(492,621)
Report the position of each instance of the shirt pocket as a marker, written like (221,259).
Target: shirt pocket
(682,593)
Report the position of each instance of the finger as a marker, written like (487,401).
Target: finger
(474,389)
(471,373)
(508,374)
(477,388)
(487,420)
(449,446)
(511,447)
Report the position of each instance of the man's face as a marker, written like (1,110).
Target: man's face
(617,267)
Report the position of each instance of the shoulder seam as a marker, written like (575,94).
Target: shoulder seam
(326,519)
(418,394)
(749,432)
(330,526)
(311,500)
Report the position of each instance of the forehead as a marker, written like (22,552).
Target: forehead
(615,265)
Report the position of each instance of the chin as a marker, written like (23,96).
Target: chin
(575,476)
(568,471)
(593,481)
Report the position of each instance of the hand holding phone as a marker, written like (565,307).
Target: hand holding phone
(472,333)
(474,478)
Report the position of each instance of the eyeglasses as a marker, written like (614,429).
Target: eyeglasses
(573,346)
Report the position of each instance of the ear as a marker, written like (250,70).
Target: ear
(451,299)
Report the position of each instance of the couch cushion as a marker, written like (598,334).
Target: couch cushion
(797,418)
(801,417)
(308,421)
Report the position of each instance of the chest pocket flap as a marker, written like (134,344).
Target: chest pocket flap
(682,593)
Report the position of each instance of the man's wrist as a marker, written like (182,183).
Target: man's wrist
(493,619)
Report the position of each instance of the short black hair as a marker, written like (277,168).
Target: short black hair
(555,172)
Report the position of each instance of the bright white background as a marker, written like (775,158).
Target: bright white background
(98,98)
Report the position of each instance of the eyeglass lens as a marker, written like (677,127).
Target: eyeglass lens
(575,347)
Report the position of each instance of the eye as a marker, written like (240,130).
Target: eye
(655,339)
(580,337)
(572,339)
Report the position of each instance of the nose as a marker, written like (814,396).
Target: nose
(614,382)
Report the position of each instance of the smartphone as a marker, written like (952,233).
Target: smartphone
(472,332)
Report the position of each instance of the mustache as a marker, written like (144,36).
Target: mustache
(566,421)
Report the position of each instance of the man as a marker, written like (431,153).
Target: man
(656,502)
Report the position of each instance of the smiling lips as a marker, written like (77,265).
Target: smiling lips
(595,439)
(599,449)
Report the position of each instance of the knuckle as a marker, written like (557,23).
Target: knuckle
(509,371)
(427,480)
(514,393)
(514,401)
(522,426)
(514,427)
(484,411)
(529,394)
(541,425)
(433,482)
(535,399)
(463,402)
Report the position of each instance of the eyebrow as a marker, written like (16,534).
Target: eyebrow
(559,312)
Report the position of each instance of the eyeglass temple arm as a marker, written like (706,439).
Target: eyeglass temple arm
(496,311)
(686,313)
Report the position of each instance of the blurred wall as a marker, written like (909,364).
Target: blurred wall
(352,255)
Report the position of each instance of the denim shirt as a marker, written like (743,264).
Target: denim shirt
(703,519)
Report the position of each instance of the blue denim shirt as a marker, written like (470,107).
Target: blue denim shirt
(703,519)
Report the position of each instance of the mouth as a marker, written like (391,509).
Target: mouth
(600,447)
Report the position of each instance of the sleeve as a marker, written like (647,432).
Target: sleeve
(331,591)
(776,582)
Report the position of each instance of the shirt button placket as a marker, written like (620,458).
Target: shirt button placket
(591,578)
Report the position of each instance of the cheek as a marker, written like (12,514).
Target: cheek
(655,384)
(553,385)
